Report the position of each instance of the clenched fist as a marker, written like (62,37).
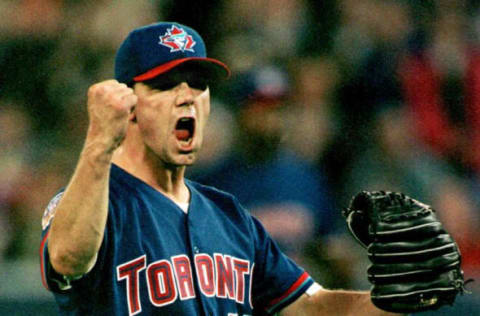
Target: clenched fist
(110,104)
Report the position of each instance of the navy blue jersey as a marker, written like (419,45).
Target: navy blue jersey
(157,260)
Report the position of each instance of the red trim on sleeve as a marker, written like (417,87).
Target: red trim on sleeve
(292,289)
(42,261)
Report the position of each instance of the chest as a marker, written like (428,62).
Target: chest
(164,258)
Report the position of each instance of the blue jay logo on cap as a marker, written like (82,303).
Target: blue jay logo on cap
(177,39)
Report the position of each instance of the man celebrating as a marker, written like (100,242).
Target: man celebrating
(130,235)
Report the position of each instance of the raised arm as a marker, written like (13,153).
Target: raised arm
(338,302)
(76,232)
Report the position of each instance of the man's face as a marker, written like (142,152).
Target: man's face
(171,118)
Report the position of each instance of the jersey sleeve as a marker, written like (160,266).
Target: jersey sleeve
(52,280)
(277,280)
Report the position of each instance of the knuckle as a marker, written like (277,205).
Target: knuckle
(92,90)
(133,98)
(97,90)
(114,98)
(102,88)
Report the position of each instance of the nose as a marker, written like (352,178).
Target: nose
(185,95)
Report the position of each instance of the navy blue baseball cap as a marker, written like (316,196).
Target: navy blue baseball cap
(155,49)
(266,85)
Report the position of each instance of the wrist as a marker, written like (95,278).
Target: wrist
(97,154)
(101,140)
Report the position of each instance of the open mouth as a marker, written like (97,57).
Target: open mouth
(185,129)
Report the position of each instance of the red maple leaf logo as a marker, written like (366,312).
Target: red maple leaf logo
(177,39)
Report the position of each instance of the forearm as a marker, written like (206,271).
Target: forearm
(77,229)
(338,302)
(76,232)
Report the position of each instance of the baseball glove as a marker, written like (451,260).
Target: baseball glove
(415,263)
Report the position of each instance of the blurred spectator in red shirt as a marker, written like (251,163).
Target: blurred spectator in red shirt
(441,83)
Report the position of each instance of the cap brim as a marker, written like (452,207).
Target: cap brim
(208,66)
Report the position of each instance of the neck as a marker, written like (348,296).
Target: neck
(145,165)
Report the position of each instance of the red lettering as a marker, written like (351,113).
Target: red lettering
(183,273)
(250,287)
(205,274)
(223,276)
(223,266)
(241,268)
(161,286)
(130,271)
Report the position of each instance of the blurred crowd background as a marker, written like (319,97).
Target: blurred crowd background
(327,98)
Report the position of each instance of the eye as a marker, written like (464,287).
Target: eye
(198,83)
(163,85)
(194,79)
(172,79)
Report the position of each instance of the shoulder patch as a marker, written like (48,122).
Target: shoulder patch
(49,212)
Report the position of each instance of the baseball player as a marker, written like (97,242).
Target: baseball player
(130,235)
